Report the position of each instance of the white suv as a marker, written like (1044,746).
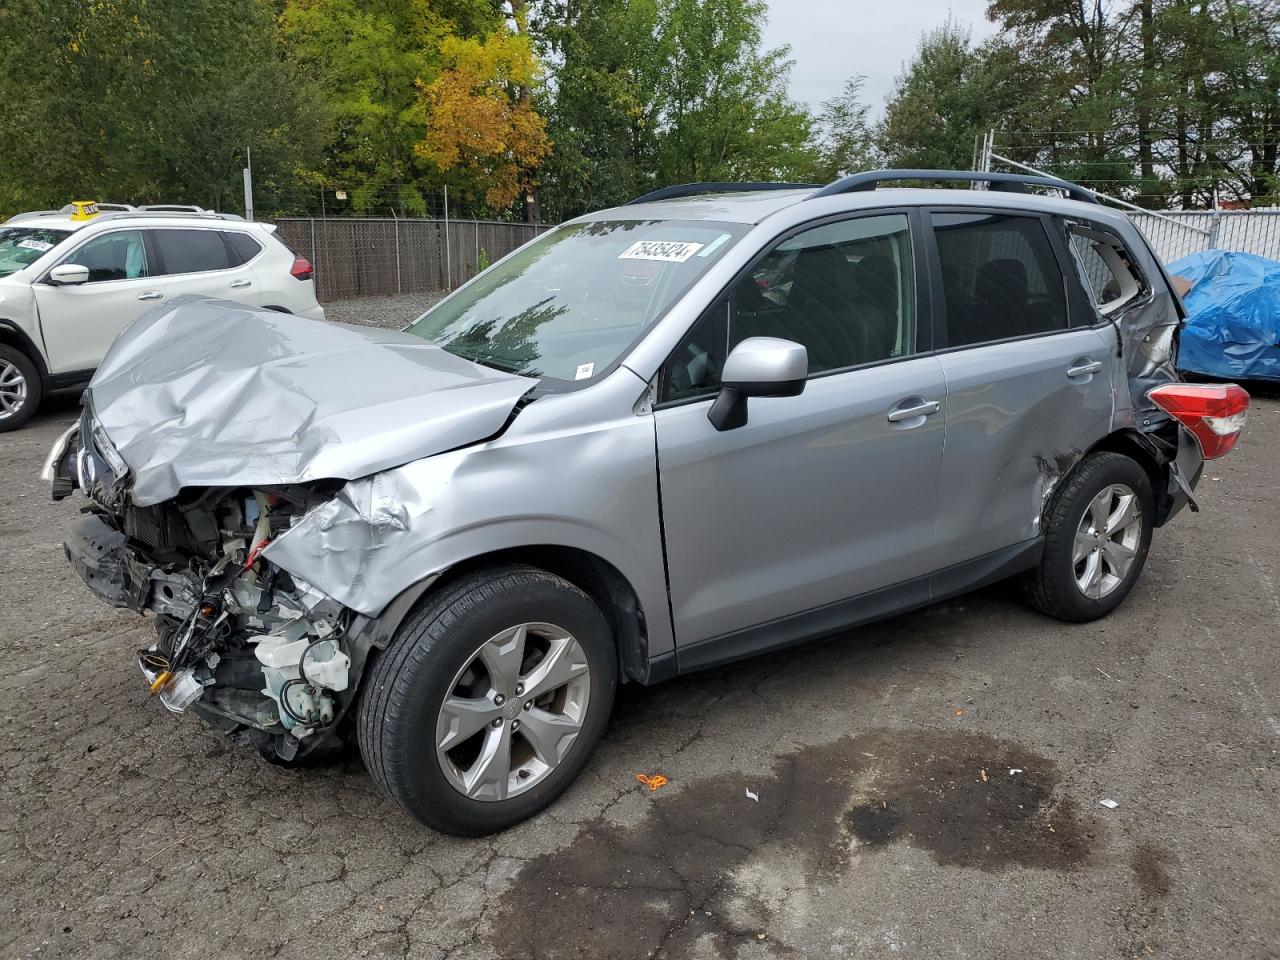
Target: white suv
(72,279)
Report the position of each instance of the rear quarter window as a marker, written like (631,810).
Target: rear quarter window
(243,247)
(1106,268)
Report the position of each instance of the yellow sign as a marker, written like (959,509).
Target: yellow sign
(85,209)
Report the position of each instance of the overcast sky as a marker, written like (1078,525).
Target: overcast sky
(832,40)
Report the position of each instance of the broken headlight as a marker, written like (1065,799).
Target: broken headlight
(102,444)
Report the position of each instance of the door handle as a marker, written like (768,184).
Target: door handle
(1084,369)
(238,284)
(150,295)
(898,414)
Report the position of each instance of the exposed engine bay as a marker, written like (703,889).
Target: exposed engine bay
(238,639)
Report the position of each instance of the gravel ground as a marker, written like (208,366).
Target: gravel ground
(928,787)
(381,311)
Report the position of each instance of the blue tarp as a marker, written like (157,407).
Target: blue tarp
(1233,323)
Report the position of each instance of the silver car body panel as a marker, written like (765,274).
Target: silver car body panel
(573,470)
(1011,437)
(214,393)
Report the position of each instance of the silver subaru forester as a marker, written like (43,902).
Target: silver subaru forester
(718,420)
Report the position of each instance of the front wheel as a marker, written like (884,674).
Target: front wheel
(20,388)
(489,701)
(1098,532)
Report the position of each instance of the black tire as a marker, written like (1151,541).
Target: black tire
(35,387)
(1052,587)
(407,683)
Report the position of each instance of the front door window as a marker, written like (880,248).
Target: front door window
(121,255)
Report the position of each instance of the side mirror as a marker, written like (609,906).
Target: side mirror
(69,274)
(758,367)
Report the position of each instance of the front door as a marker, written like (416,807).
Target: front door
(80,321)
(820,498)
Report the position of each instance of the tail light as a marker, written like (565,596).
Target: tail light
(1214,413)
(301,268)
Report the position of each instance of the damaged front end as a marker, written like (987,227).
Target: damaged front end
(210,429)
(238,639)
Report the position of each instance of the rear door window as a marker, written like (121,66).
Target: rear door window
(1000,278)
(191,251)
(119,255)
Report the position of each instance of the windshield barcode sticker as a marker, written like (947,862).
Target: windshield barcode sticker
(584,371)
(666,251)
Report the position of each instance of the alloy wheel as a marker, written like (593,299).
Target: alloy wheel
(513,711)
(13,389)
(1107,540)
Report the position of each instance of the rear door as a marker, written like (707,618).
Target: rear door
(202,261)
(819,498)
(1028,376)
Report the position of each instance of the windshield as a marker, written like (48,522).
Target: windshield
(570,303)
(20,246)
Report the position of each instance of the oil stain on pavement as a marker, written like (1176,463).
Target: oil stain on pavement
(666,886)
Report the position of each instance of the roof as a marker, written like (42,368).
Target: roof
(748,207)
(58,220)
(753,207)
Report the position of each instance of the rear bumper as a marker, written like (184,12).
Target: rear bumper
(314,313)
(1184,476)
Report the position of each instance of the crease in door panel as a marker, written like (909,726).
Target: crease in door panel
(942,459)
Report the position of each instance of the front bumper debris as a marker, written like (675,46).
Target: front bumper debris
(98,554)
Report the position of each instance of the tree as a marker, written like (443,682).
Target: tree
(1160,100)
(478,123)
(148,100)
(727,115)
(604,106)
(370,58)
(847,138)
(950,93)
(646,93)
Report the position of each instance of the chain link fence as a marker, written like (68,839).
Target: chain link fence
(366,256)
(1173,235)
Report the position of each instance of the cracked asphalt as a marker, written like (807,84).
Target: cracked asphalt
(925,787)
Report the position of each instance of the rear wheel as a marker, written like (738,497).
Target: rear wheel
(488,703)
(1097,535)
(20,388)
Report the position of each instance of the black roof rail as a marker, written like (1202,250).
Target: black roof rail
(693,189)
(1010,182)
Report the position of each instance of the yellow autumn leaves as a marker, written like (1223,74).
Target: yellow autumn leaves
(480,117)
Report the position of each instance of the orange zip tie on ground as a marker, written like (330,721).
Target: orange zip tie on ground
(654,782)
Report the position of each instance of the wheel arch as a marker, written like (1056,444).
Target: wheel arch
(1132,444)
(15,336)
(598,578)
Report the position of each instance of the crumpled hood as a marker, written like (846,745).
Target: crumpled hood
(215,393)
